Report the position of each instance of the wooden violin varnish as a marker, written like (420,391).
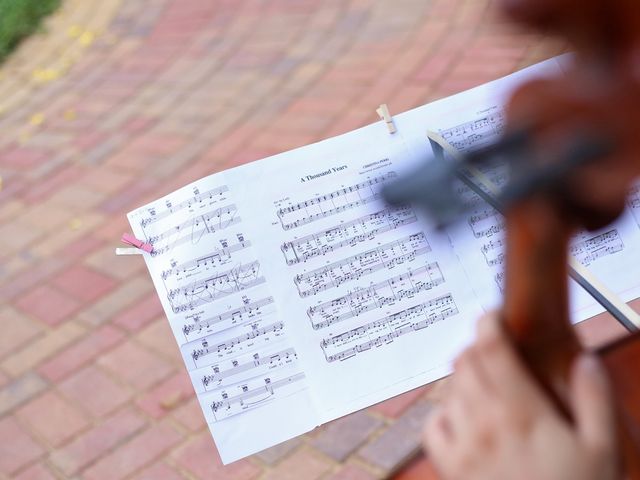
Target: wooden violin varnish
(582,157)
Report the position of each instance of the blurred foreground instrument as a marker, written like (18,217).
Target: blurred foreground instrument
(573,145)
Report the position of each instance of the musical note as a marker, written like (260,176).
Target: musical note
(475,133)
(323,206)
(196,325)
(499,279)
(251,362)
(226,405)
(347,234)
(387,256)
(380,332)
(193,229)
(493,252)
(217,258)
(385,293)
(213,288)
(486,223)
(222,347)
(589,250)
(633,203)
(212,195)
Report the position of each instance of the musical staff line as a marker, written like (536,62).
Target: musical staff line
(219,255)
(228,343)
(589,250)
(323,206)
(387,292)
(236,315)
(486,223)
(171,208)
(215,287)
(351,233)
(475,133)
(493,252)
(633,202)
(268,391)
(385,330)
(386,256)
(218,376)
(195,228)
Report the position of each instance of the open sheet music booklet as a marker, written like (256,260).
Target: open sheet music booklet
(298,296)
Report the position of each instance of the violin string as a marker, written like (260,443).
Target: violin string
(476,179)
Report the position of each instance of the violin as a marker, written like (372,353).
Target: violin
(597,104)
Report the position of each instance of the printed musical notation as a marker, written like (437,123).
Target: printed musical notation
(217,300)
(386,256)
(633,202)
(323,206)
(226,373)
(251,394)
(388,292)
(589,250)
(486,223)
(475,133)
(215,287)
(212,348)
(203,199)
(193,229)
(380,332)
(217,258)
(493,252)
(348,234)
(197,326)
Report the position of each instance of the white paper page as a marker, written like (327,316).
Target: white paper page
(234,341)
(376,300)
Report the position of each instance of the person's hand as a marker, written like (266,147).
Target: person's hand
(496,423)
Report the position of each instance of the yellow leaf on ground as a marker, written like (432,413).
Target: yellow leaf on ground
(36,119)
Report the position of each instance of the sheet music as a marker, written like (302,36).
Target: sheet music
(217,298)
(366,283)
(479,239)
(297,296)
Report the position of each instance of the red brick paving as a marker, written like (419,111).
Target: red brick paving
(47,304)
(154,94)
(52,418)
(18,447)
(97,442)
(94,391)
(129,457)
(81,353)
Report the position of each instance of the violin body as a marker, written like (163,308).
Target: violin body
(598,97)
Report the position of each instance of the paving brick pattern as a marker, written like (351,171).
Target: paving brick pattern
(119,102)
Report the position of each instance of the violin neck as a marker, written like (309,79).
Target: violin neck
(536,309)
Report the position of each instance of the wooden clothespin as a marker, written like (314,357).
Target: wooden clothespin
(128,251)
(139,245)
(383,112)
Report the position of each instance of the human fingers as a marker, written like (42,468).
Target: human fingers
(469,379)
(504,368)
(437,436)
(591,402)
(469,395)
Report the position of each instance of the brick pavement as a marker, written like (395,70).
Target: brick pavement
(120,102)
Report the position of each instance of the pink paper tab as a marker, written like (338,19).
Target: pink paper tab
(131,240)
